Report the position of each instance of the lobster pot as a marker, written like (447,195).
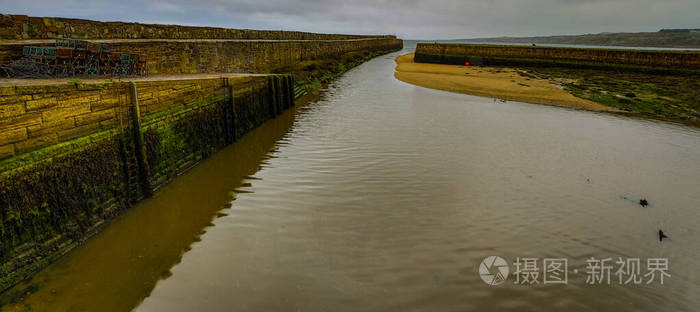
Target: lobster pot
(64,53)
(74,57)
(51,52)
(93,47)
(106,47)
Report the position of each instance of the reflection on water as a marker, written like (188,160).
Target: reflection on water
(385,196)
(117,268)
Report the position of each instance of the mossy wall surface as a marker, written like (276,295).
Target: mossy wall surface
(34,116)
(178,133)
(642,60)
(84,153)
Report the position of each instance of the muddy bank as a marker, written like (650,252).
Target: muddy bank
(659,96)
(501,83)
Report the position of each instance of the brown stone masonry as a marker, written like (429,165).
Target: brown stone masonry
(30,27)
(438,52)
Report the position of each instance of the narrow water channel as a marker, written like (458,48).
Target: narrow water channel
(383,196)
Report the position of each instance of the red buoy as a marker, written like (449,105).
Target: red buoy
(466,63)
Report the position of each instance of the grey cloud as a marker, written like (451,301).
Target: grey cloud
(407,18)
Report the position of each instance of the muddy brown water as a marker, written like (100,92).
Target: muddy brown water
(383,196)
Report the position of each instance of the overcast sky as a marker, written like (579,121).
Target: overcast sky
(408,19)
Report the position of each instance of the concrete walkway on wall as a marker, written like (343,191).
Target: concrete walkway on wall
(193,56)
(53,41)
(97,80)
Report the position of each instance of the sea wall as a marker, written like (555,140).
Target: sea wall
(167,57)
(17,27)
(180,57)
(645,60)
(74,156)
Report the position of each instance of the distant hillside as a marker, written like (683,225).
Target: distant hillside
(665,38)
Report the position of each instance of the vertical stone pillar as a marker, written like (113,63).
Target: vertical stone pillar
(290,90)
(283,93)
(272,89)
(280,93)
(229,108)
(234,116)
(139,147)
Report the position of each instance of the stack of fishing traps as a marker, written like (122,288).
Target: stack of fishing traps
(75,58)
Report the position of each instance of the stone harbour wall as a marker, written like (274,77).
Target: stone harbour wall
(168,57)
(16,27)
(645,60)
(182,57)
(74,156)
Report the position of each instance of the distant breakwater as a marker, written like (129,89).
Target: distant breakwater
(684,62)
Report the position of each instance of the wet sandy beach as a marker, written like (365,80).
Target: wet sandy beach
(501,83)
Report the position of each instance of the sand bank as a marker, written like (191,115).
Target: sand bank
(501,83)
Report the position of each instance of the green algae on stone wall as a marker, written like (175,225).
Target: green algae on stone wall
(176,139)
(187,132)
(73,168)
(57,194)
(53,202)
(36,116)
(329,71)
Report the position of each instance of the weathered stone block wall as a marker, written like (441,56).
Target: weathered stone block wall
(254,57)
(73,156)
(80,154)
(72,165)
(503,54)
(166,57)
(26,27)
(35,116)
(187,120)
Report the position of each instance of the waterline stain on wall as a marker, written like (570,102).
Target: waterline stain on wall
(89,169)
